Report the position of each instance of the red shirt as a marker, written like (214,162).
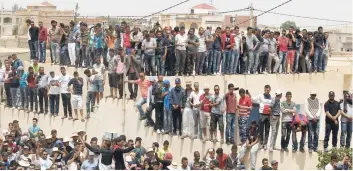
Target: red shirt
(222,161)
(127,43)
(231,101)
(246,102)
(43,34)
(206,101)
(283,43)
(30,80)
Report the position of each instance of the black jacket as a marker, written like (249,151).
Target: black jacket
(119,158)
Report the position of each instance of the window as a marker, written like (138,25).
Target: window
(7,20)
(341,49)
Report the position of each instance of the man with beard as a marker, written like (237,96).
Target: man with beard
(43,37)
(180,43)
(161,53)
(84,47)
(170,56)
(193,43)
(55,34)
(227,45)
(32,90)
(333,111)
(346,121)
(201,52)
(175,99)
(33,42)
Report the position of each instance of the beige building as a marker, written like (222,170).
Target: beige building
(341,39)
(8,22)
(202,15)
(44,12)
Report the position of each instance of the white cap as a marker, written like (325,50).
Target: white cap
(48,136)
(150,149)
(278,92)
(74,134)
(20,68)
(91,153)
(312,92)
(206,86)
(66,139)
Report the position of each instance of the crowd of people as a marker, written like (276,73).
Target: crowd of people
(188,112)
(172,52)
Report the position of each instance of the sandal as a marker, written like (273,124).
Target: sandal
(75,119)
(82,120)
(70,118)
(64,117)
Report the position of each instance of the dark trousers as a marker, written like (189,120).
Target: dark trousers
(82,57)
(132,87)
(159,116)
(54,103)
(169,64)
(264,128)
(285,136)
(43,96)
(66,99)
(263,62)
(8,95)
(150,108)
(313,134)
(302,140)
(177,120)
(121,84)
(190,61)
(33,99)
(328,129)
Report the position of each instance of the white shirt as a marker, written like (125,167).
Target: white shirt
(45,164)
(2,73)
(99,68)
(202,41)
(91,83)
(196,98)
(237,40)
(187,168)
(181,41)
(29,35)
(148,46)
(64,81)
(329,167)
(54,89)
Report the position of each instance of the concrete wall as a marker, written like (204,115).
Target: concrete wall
(112,116)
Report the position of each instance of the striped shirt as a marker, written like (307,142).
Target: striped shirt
(244,102)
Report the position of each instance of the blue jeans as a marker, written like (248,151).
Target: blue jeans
(282,61)
(328,129)
(55,49)
(209,61)
(216,60)
(313,134)
(23,97)
(33,47)
(250,67)
(139,104)
(226,62)
(150,64)
(317,63)
(90,102)
(346,129)
(230,118)
(54,100)
(42,50)
(64,55)
(160,63)
(234,61)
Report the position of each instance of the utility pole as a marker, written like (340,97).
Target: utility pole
(251,15)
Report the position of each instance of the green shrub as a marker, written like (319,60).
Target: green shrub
(325,157)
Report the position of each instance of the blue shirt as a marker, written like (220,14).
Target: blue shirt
(23,80)
(86,165)
(33,130)
(98,40)
(166,102)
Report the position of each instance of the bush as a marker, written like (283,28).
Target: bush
(325,157)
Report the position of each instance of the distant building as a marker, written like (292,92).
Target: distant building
(202,15)
(8,22)
(341,39)
(45,12)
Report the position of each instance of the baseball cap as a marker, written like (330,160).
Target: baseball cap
(188,82)
(278,92)
(74,135)
(25,147)
(20,68)
(177,81)
(274,162)
(167,82)
(206,86)
(91,153)
(331,93)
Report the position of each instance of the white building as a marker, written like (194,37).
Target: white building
(341,39)
(7,22)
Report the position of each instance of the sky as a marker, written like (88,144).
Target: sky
(333,9)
